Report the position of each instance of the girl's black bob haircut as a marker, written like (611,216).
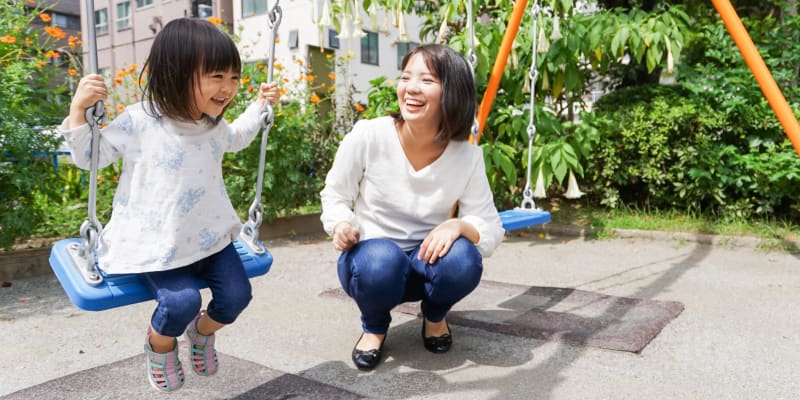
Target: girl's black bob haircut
(183,51)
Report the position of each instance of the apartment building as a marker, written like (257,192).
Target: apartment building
(66,17)
(125,30)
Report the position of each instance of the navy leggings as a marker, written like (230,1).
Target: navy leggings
(379,275)
(178,293)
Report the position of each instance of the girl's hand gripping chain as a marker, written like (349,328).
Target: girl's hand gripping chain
(269,91)
(91,89)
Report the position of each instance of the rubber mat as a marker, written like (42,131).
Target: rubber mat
(237,379)
(573,316)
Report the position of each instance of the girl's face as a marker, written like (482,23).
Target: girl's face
(419,92)
(213,92)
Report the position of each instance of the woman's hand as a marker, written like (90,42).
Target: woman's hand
(439,240)
(269,91)
(91,89)
(345,236)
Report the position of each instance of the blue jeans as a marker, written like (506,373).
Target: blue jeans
(379,275)
(177,292)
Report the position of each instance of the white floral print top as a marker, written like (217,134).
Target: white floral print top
(171,207)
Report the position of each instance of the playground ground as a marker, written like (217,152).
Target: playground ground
(731,330)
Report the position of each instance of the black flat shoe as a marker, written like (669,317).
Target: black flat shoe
(437,344)
(367,359)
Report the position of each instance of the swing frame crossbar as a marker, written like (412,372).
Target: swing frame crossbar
(124,289)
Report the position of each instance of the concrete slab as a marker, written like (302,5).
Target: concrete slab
(239,379)
(570,315)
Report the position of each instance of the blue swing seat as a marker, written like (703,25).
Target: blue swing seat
(125,289)
(519,218)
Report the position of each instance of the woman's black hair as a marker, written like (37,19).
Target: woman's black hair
(458,89)
(184,50)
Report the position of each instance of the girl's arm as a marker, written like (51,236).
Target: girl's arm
(246,126)
(78,135)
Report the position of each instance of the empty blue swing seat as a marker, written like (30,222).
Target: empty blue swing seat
(121,290)
(519,218)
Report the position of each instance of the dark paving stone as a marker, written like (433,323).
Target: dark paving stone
(549,313)
(237,379)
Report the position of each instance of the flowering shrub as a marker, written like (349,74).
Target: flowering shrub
(29,63)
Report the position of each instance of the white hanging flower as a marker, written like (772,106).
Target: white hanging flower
(573,191)
(443,29)
(345,31)
(556,34)
(670,59)
(372,11)
(538,191)
(542,45)
(326,18)
(403,36)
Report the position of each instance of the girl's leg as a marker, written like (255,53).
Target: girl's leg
(230,289)
(178,300)
(374,274)
(449,279)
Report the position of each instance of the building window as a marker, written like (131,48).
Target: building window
(293,39)
(123,15)
(253,7)
(66,21)
(101,22)
(402,49)
(333,39)
(143,3)
(202,9)
(369,48)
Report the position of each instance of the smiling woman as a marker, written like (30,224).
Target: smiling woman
(401,242)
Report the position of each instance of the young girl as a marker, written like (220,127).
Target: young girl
(172,219)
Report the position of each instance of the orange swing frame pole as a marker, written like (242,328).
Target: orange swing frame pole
(499,65)
(759,69)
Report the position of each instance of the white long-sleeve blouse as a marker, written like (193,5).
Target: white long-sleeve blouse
(373,186)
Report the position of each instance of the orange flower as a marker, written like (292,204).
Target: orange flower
(298,61)
(245,80)
(133,67)
(214,20)
(359,108)
(45,17)
(31,1)
(251,88)
(332,76)
(118,81)
(72,72)
(277,66)
(284,91)
(40,64)
(8,39)
(55,32)
(120,107)
(277,40)
(52,54)
(310,78)
(314,98)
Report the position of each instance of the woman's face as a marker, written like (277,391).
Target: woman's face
(419,92)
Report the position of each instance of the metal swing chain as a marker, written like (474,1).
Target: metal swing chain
(251,227)
(527,194)
(91,228)
(472,59)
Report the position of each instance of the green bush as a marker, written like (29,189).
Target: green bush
(26,168)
